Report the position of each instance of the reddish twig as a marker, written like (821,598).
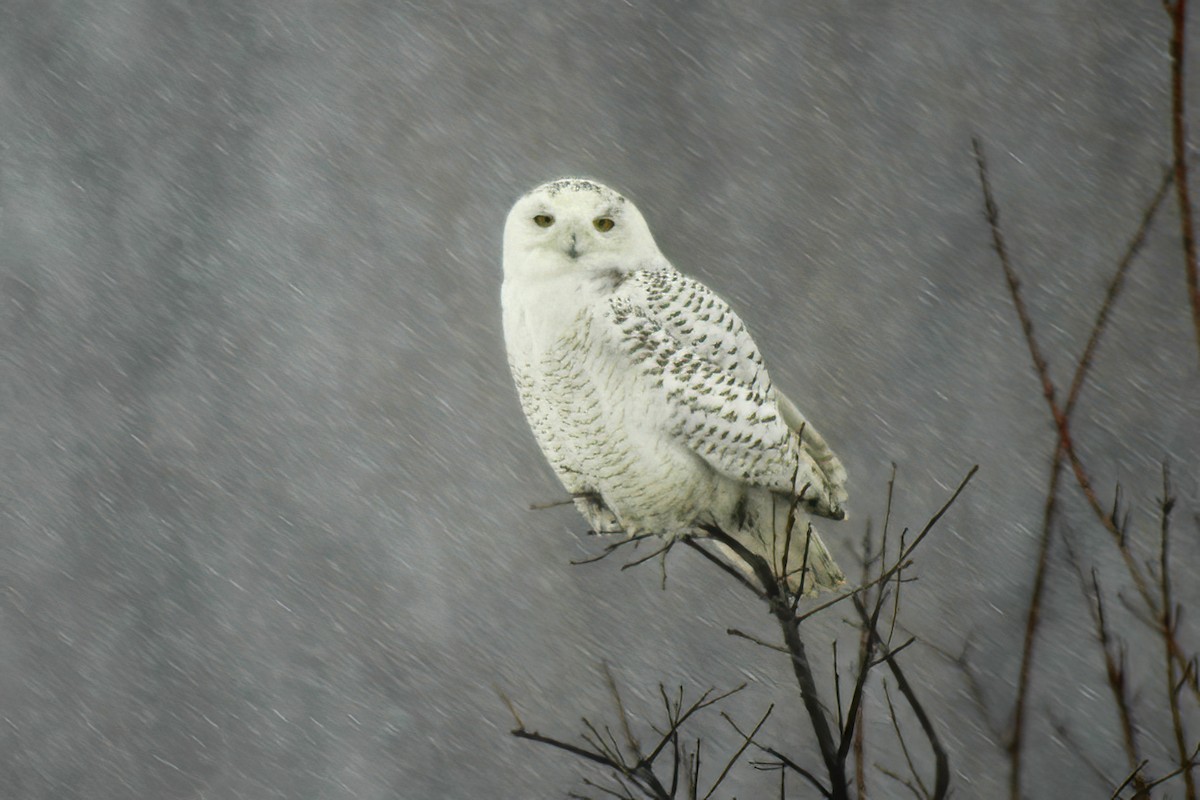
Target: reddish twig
(1178,13)
(1167,620)
(1114,665)
(1115,284)
(1032,620)
(1064,447)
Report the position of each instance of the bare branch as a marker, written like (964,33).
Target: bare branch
(864,669)
(1065,447)
(630,740)
(746,740)
(776,595)
(704,702)
(729,570)
(1167,623)
(609,549)
(1178,12)
(903,561)
(662,551)
(941,784)
(1191,764)
(912,769)
(901,780)
(756,640)
(1115,285)
(1114,666)
(522,733)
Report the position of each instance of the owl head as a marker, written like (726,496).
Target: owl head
(575,225)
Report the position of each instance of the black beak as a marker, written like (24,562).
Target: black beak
(572,252)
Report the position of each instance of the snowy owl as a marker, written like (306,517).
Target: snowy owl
(645,391)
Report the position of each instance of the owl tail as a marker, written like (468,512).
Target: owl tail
(809,566)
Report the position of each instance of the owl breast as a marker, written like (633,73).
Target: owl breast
(604,429)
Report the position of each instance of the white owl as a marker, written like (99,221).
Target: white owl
(646,392)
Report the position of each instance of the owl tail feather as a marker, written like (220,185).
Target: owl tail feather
(810,567)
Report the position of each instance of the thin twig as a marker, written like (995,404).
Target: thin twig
(837,685)
(1068,738)
(896,595)
(864,670)
(1115,285)
(746,740)
(1114,666)
(630,740)
(907,784)
(522,733)
(912,769)
(1135,775)
(783,762)
(1039,362)
(1033,617)
(974,685)
(729,570)
(1064,447)
(941,781)
(704,702)
(756,640)
(817,609)
(864,639)
(1192,762)
(1178,12)
(609,549)
(903,561)
(1167,622)
(662,551)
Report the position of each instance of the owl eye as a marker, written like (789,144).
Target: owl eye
(543,220)
(603,224)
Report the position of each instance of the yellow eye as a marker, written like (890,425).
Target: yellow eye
(543,220)
(603,224)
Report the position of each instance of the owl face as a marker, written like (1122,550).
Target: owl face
(574,225)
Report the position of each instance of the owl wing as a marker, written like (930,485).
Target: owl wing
(815,446)
(695,356)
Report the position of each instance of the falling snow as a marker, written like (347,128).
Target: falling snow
(264,480)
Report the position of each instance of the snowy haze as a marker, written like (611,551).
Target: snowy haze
(264,480)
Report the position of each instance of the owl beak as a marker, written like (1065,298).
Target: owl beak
(571,251)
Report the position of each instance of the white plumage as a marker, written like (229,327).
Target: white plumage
(644,389)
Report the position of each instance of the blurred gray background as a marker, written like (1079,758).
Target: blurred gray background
(264,481)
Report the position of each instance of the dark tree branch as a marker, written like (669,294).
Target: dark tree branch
(637,774)
(756,640)
(941,783)
(1135,775)
(747,739)
(609,549)
(638,769)
(732,571)
(776,594)
(912,769)
(1191,764)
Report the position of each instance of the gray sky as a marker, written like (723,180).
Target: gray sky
(263,475)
